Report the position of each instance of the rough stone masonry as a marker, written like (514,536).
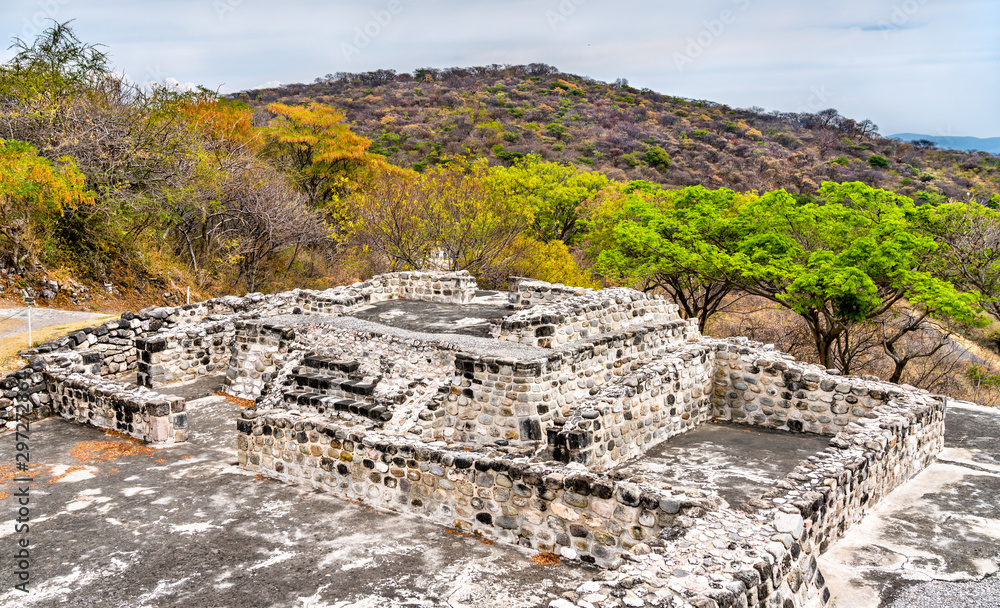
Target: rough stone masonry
(508,416)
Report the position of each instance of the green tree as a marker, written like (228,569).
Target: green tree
(556,129)
(555,194)
(840,263)
(34,193)
(649,243)
(969,234)
(658,158)
(54,64)
(879,162)
(845,262)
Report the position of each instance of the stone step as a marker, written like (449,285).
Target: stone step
(326,363)
(327,403)
(327,382)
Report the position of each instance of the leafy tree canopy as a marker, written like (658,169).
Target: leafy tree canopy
(34,192)
(844,260)
(54,63)
(318,148)
(554,193)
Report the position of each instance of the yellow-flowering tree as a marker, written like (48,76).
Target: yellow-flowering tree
(34,192)
(318,148)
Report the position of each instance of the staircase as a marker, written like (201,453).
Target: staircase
(326,385)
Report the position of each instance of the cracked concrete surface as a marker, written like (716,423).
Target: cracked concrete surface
(737,462)
(132,527)
(936,540)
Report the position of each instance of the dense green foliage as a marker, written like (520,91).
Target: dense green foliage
(845,260)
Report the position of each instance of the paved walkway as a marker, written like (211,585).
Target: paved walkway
(934,543)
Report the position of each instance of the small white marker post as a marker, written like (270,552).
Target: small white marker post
(28,302)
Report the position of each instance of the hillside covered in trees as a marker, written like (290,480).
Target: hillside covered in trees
(867,255)
(504,112)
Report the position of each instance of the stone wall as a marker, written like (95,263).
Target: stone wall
(587,316)
(497,398)
(136,412)
(525,293)
(115,340)
(260,349)
(336,301)
(766,388)
(452,287)
(497,496)
(27,387)
(625,418)
(817,502)
(184,354)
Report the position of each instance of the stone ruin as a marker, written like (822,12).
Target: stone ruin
(507,416)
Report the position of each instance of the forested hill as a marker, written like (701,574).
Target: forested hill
(504,112)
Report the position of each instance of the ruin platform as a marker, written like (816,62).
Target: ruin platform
(523,422)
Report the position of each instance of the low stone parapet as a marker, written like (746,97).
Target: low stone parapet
(771,389)
(525,293)
(495,495)
(134,411)
(451,287)
(587,316)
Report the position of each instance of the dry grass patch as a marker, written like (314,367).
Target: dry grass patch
(546,559)
(9,346)
(248,403)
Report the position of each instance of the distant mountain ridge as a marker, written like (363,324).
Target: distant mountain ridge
(956,142)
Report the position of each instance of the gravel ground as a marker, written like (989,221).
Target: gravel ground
(936,594)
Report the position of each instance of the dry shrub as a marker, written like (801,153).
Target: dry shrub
(764,321)
(939,370)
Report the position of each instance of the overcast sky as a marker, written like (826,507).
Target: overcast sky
(924,66)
